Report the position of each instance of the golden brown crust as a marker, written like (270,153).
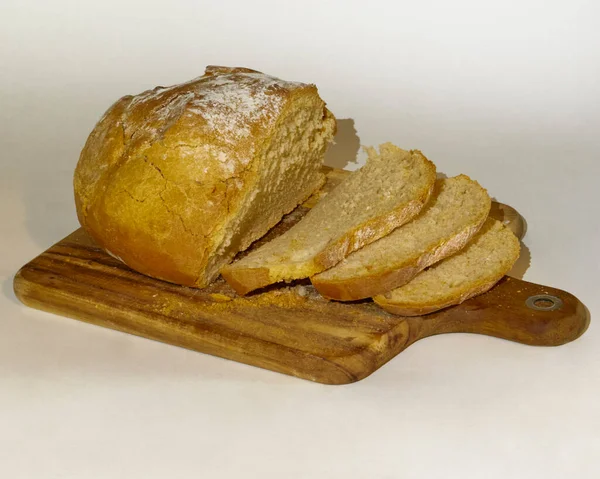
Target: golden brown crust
(164,172)
(355,288)
(403,309)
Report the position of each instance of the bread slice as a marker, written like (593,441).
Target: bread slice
(388,191)
(458,208)
(472,271)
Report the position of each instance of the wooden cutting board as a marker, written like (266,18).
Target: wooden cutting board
(286,328)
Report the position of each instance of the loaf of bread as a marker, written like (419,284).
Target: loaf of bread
(175,181)
(387,192)
(471,271)
(456,211)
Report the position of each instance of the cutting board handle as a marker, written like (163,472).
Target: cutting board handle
(515,310)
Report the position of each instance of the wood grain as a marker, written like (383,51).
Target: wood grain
(289,329)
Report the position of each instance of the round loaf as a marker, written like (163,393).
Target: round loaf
(175,181)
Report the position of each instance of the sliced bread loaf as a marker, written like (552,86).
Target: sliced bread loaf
(176,181)
(388,191)
(458,208)
(472,271)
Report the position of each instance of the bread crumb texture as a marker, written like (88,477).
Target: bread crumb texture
(456,211)
(473,270)
(176,180)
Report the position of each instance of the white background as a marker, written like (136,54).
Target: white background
(506,91)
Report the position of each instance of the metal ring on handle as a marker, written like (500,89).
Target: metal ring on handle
(555,302)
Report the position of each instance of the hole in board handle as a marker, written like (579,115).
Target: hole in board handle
(544,302)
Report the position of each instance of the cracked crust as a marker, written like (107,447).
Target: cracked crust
(166,175)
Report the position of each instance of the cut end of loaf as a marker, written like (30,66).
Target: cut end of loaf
(385,193)
(288,168)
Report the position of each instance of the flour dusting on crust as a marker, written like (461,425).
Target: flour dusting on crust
(232,103)
(228,105)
